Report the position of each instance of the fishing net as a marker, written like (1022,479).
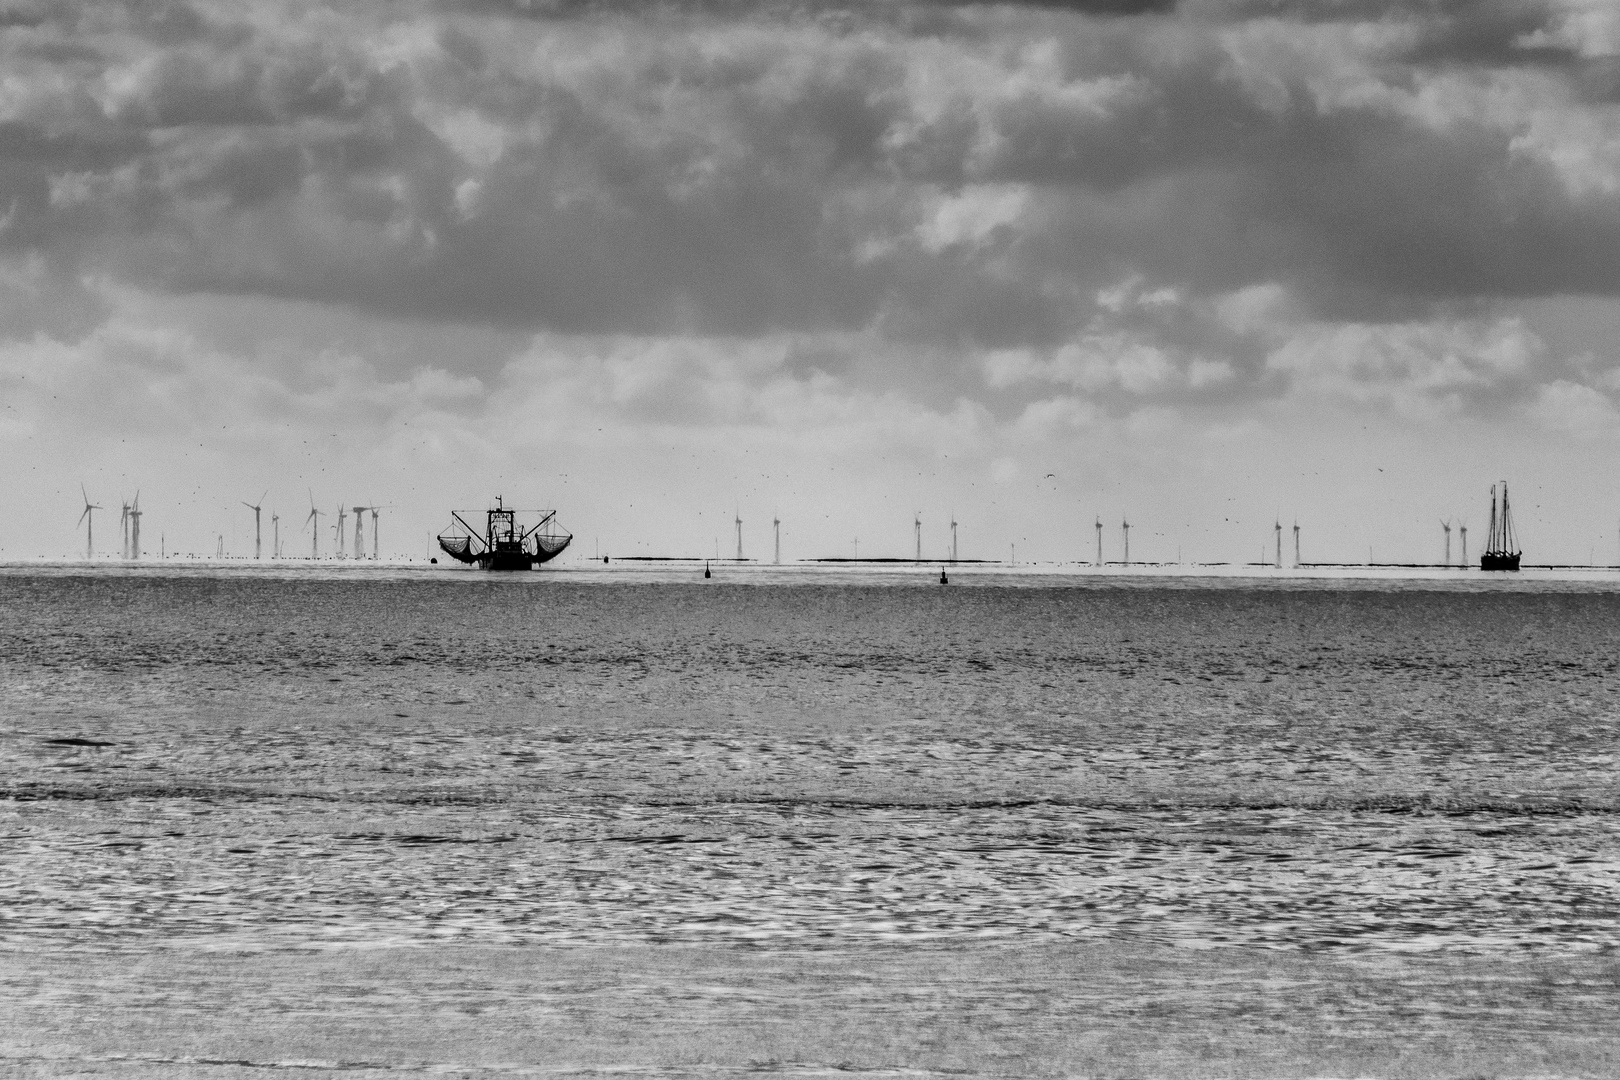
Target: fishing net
(458,548)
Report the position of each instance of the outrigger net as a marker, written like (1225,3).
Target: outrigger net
(458,547)
(550,544)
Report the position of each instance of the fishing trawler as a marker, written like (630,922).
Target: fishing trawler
(506,543)
(1501,550)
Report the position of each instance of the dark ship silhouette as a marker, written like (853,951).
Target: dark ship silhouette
(505,544)
(1501,549)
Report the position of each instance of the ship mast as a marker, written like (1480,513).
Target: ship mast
(1508,545)
(1491,546)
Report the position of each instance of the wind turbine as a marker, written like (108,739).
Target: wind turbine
(1463,529)
(953,536)
(275,533)
(89,519)
(123,531)
(738,515)
(916,525)
(776,523)
(1446,525)
(1099,540)
(258,547)
(314,533)
(1125,528)
(1296,545)
(376,549)
(1278,527)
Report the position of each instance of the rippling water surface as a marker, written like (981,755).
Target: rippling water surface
(816,766)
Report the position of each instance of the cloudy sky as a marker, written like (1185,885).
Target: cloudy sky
(1208,264)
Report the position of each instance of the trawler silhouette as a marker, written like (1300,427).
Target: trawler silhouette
(505,545)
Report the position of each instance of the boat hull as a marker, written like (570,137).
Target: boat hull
(1499,560)
(505,557)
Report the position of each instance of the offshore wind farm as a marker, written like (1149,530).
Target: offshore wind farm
(338,549)
(348,545)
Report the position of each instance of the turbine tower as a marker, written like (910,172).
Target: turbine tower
(1463,530)
(275,535)
(315,532)
(776,523)
(1125,527)
(337,531)
(1296,545)
(89,519)
(360,531)
(953,537)
(1278,527)
(738,515)
(123,531)
(258,547)
(1446,525)
(1099,541)
(135,527)
(916,526)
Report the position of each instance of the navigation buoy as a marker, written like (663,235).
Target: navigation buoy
(705,568)
(943,580)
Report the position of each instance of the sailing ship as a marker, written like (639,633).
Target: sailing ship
(506,543)
(1501,549)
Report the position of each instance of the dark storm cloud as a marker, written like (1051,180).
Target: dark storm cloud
(778,8)
(701,170)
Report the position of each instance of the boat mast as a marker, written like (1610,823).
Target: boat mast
(1491,547)
(1508,540)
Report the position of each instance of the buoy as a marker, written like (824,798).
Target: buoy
(943,580)
(435,562)
(604,560)
(705,568)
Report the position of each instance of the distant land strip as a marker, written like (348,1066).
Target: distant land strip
(733,559)
(1442,566)
(914,562)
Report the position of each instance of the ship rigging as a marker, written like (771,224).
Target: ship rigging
(506,543)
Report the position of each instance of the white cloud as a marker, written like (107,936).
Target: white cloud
(1202,373)
(476,140)
(971,216)
(1422,370)
(1589,27)
(1569,407)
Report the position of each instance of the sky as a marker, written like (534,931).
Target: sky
(1206,265)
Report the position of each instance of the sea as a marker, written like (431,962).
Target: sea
(387,821)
